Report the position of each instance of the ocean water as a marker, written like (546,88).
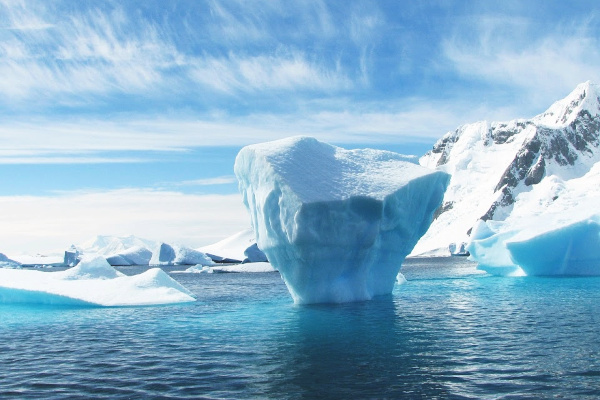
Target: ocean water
(449,332)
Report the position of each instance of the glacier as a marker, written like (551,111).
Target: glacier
(554,229)
(337,224)
(493,163)
(93,282)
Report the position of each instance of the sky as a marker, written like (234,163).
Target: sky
(121,118)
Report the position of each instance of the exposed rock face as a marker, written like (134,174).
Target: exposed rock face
(492,163)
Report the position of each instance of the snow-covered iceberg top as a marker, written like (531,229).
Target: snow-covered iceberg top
(92,282)
(336,223)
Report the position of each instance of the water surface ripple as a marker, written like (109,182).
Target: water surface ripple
(450,332)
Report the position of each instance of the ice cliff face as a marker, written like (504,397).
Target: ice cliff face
(336,223)
(492,164)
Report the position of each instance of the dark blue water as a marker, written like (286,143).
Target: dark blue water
(450,332)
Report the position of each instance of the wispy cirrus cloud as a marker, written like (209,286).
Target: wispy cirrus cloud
(82,56)
(513,52)
(219,180)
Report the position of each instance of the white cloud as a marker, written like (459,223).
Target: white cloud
(541,67)
(219,180)
(257,73)
(416,120)
(31,223)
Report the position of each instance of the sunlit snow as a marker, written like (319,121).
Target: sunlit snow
(92,282)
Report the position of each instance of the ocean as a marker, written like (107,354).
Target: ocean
(450,332)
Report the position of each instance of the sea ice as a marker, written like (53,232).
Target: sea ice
(255,267)
(336,223)
(92,282)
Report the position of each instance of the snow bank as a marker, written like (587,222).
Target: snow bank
(336,223)
(92,282)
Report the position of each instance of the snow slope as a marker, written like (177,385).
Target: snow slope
(492,164)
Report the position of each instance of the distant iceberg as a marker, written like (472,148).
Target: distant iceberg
(167,254)
(336,223)
(237,248)
(6,262)
(136,255)
(92,282)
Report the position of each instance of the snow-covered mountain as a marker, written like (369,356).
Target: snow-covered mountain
(493,165)
(109,245)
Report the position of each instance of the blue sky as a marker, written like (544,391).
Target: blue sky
(108,105)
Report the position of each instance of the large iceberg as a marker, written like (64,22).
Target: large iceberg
(336,223)
(92,282)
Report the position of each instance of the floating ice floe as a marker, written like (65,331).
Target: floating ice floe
(337,224)
(256,267)
(92,282)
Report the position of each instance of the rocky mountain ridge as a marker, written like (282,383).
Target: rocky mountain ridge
(493,163)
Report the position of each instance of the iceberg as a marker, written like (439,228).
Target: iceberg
(167,254)
(237,248)
(136,255)
(337,224)
(573,249)
(92,282)
(6,262)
